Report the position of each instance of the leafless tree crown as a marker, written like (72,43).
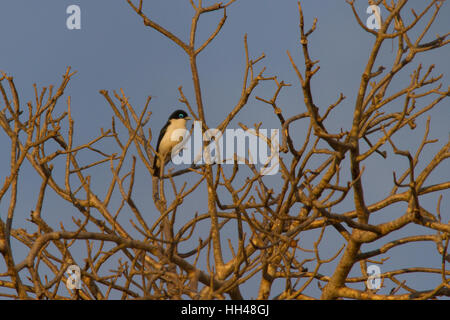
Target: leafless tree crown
(147,256)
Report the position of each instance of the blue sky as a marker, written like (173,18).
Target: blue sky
(115,50)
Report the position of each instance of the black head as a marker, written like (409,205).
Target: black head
(179,114)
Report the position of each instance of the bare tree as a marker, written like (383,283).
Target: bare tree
(147,256)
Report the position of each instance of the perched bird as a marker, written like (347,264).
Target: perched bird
(166,142)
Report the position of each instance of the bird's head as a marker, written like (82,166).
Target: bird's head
(179,114)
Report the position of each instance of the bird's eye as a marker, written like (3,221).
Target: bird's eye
(180,115)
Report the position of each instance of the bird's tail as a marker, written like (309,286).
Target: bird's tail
(156,168)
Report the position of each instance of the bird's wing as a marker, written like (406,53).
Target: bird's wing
(161,135)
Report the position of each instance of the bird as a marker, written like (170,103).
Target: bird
(166,143)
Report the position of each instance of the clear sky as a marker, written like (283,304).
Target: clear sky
(113,50)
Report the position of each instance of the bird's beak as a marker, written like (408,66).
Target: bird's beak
(188,118)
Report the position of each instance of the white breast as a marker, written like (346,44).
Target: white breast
(172,137)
